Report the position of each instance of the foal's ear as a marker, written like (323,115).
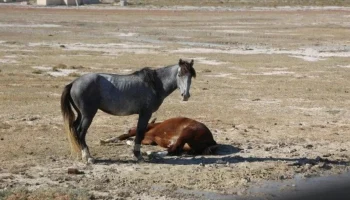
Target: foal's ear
(153,121)
(180,62)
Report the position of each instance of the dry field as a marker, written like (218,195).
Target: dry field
(273,85)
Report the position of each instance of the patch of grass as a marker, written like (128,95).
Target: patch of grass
(59,66)
(38,71)
(74,74)
(77,67)
(45,193)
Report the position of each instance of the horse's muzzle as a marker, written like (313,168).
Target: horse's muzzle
(186,97)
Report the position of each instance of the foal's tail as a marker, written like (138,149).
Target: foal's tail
(68,118)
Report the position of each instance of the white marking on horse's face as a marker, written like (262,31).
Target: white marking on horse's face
(173,140)
(184,84)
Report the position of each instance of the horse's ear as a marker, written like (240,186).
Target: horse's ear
(180,62)
(153,121)
(192,62)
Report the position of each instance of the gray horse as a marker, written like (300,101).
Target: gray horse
(141,92)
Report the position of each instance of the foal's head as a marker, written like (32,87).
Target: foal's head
(184,76)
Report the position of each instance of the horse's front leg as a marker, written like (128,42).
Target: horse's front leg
(140,133)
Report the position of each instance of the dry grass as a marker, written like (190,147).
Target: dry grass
(266,102)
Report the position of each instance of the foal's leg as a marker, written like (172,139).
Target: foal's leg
(140,133)
(177,148)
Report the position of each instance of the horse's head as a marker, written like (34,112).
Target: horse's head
(184,76)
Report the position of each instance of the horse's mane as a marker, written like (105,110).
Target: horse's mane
(147,75)
(187,68)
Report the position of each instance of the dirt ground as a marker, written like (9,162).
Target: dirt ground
(273,85)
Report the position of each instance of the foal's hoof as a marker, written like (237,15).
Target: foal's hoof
(90,161)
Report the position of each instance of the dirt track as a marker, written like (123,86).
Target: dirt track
(273,86)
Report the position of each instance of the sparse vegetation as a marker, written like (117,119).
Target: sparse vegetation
(58,67)
(74,74)
(76,67)
(38,71)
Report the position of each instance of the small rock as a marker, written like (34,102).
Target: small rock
(327,155)
(220,161)
(74,171)
(62,46)
(292,151)
(281,144)
(324,166)
(268,148)
(308,166)
(201,164)
(249,147)
(341,150)
(309,146)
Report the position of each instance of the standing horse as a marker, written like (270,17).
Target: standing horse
(141,93)
(177,135)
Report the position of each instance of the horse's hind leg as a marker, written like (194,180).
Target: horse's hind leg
(82,130)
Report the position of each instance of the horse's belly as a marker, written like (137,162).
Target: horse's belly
(120,108)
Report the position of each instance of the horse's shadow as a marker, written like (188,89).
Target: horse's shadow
(223,155)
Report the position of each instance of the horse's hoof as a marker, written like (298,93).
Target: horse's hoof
(138,156)
(90,161)
(140,159)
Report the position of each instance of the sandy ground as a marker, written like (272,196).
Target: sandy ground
(273,86)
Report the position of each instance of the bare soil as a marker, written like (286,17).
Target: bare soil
(273,85)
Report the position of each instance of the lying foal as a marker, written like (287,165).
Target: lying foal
(177,135)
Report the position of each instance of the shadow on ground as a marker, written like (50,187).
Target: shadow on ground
(224,155)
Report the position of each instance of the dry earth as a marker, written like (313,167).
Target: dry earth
(273,86)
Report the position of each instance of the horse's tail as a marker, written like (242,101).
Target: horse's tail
(68,118)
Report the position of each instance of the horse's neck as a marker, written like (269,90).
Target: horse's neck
(167,77)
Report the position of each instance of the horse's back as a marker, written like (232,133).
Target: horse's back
(85,89)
